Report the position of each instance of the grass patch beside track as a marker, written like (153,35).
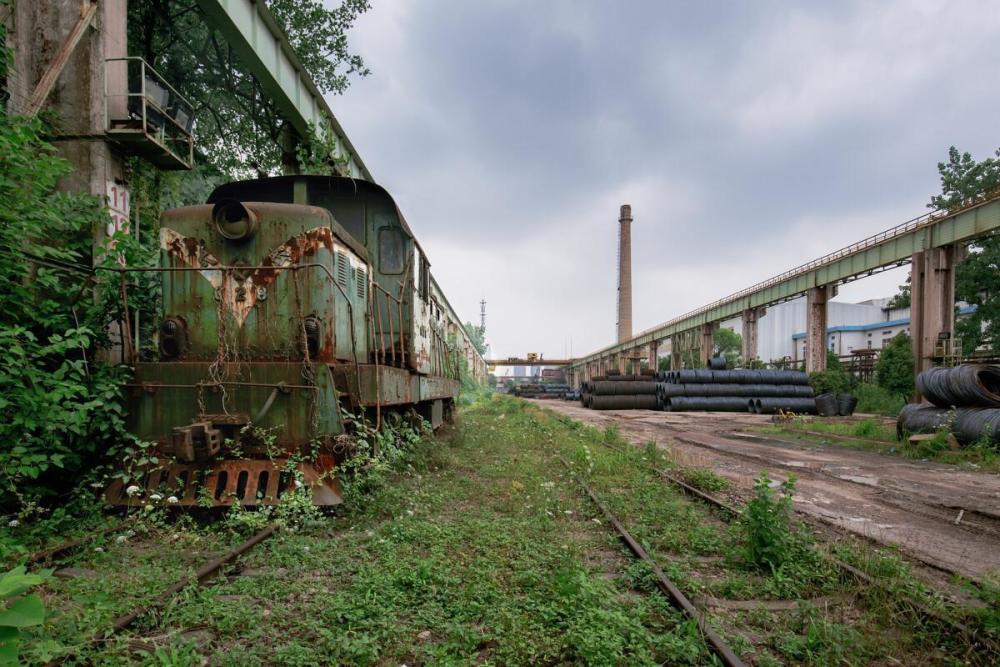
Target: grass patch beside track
(481,549)
(875,435)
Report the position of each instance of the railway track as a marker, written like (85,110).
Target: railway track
(666,586)
(204,573)
(977,640)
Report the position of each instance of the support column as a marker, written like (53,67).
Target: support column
(653,355)
(932,302)
(621,363)
(706,343)
(675,354)
(750,319)
(816,299)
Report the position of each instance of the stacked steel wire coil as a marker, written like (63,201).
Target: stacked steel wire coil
(964,400)
(759,391)
(620,392)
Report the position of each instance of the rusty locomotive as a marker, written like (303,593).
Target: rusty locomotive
(286,299)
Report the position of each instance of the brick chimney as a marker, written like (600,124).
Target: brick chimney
(625,273)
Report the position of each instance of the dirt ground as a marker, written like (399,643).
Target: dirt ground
(943,516)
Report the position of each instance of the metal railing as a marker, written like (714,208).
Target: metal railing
(138,100)
(882,237)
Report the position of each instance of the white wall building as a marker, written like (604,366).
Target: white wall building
(850,326)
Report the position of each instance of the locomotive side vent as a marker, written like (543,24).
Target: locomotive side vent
(362,277)
(342,266)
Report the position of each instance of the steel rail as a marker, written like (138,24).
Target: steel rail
(61,549)
(205,572)
(972,636)
(676,596)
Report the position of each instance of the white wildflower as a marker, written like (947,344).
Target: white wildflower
(148,508)
(13,523)
(99,550)
(567,512)
(409,512)
(132,490)
(120,539)
(156,497)
(597,521)
(298,484)
(173,500)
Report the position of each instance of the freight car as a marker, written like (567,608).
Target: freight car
(284,300)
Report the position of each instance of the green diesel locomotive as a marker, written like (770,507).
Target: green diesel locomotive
(284,300)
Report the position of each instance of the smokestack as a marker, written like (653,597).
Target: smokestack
(625,273)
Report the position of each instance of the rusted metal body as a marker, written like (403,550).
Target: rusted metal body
(284,299)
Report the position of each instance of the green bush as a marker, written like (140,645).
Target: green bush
(61,410)
(894,370)
(834,379)
(873,399)
(770,542)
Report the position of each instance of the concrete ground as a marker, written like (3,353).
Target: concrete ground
(943,516)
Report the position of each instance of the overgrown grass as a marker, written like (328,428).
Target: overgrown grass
(478,548)
(876,435)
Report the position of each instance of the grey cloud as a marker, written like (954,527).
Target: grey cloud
(748,137)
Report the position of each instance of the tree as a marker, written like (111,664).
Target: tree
(902,299)
(728,344)
(894,370)
(977,279)
(238,128)
(477,336)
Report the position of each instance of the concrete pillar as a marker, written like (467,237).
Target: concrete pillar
(625,273)
(653,355)
(932,302)
(706,343)
(816,299)
(621,363)
(750,319)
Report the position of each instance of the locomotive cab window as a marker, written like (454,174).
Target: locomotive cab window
(425,277)
(391,250)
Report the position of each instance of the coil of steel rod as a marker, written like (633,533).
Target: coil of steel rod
(625,402)
(705,404)
(717,363)
(968,385)
(968,424)
(826,405)
(737,376)
(622,388)
(752,390)
(674,594)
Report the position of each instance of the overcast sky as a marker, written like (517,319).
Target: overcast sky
(748,137)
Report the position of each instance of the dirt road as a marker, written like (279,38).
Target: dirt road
(942,515)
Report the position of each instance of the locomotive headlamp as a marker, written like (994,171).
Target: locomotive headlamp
(173,338)
(234,220)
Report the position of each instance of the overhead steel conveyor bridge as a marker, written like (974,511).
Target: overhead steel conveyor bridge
(893,247)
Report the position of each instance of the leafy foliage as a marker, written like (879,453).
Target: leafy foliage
(60,408)
(237,123)
(18,610)
(894,370)
(728,344)
(835,379)
(977,278)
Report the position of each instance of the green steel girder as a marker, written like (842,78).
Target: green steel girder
(894,246)
(250,28)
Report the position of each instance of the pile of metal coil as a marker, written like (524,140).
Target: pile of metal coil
(540,390)
(964,400)
(741,390)
(620,392)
